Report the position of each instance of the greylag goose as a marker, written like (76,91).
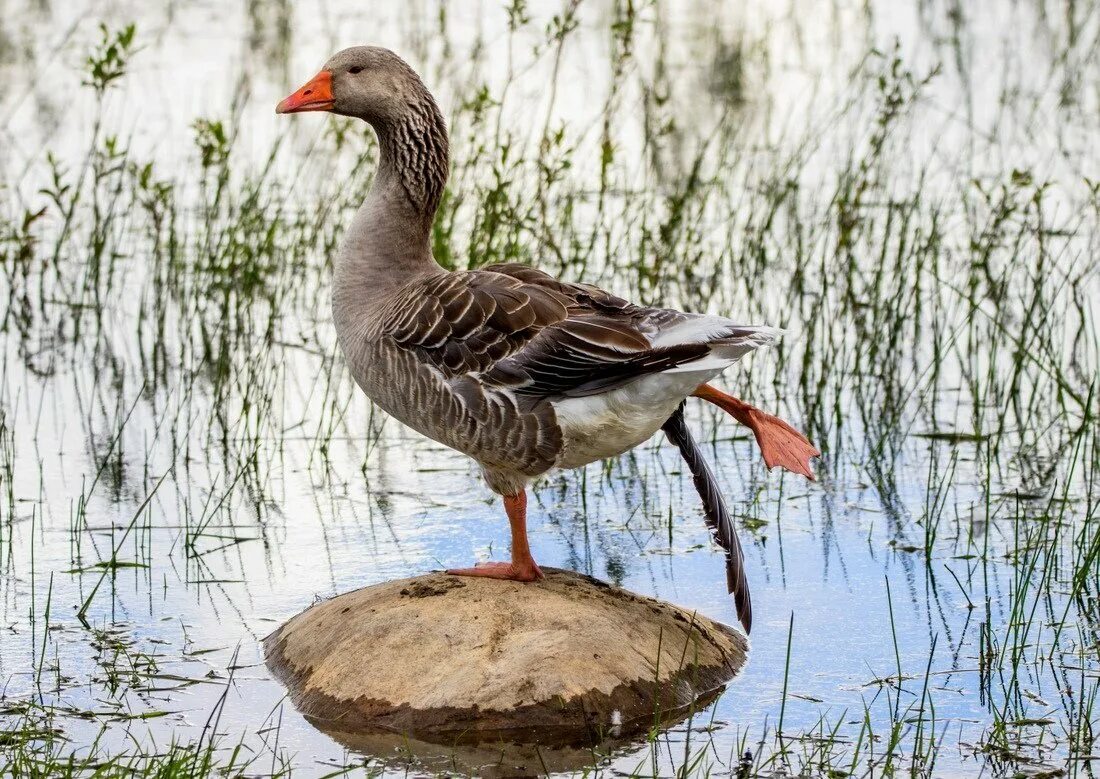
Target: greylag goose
(522,372)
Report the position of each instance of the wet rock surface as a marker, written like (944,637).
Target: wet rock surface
(463,660)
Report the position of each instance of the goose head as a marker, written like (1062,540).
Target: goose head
(365,82)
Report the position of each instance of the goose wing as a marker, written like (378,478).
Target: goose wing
(519,330)
(716,514)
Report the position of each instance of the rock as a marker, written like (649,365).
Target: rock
(449,659)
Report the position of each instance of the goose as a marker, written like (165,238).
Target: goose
(521,371)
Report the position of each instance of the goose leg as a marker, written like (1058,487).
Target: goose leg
(780,443)
(523,567)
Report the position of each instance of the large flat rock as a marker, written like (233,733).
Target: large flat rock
(444,657)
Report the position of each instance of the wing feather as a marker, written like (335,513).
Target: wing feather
(524,331)
(715,513)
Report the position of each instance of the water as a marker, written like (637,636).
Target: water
(172,398)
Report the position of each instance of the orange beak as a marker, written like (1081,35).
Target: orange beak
(315,95)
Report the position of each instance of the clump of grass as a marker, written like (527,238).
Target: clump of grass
(7,487)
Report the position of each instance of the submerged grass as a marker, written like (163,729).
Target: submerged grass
(167,321)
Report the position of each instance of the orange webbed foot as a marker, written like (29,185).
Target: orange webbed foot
(509,571)
(782,445)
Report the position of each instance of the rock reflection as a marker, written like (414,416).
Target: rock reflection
(508,753)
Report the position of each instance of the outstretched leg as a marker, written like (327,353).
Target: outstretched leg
(523,567)
(780,443)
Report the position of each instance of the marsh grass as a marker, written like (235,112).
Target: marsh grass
(173,318)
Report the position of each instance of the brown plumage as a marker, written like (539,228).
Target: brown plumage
(521,371)
(714,510)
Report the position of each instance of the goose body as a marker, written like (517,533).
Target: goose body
(525,373)
(521,371)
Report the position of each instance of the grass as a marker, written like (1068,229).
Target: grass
(173,409)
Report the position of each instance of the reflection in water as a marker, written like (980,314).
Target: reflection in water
(511,754)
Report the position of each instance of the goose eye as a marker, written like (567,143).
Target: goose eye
(355,70)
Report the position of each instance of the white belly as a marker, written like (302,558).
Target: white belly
(606,425)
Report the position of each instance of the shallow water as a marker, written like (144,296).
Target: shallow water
(191,419)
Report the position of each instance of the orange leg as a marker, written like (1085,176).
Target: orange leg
(780,443)
(523,567)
